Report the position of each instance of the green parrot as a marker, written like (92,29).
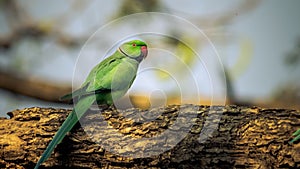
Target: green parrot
(297,136)
(107,81)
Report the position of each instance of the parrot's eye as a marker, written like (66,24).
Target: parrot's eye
(134,45)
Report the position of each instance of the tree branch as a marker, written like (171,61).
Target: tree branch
(32,87)
(244,137)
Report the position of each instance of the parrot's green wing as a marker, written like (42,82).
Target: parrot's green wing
(297,136)
(113,74)
(100,78)
(104,65)
(117,72)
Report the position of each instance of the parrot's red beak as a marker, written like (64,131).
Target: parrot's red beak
(144,51)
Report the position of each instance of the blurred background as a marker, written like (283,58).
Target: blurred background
(248,52)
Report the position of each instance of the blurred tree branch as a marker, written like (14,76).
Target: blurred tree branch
(32,87)
(22,25)
(36,31)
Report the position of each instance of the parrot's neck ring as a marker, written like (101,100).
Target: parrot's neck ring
(139,58)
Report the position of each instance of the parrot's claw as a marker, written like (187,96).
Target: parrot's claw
(112,107)
(96,107)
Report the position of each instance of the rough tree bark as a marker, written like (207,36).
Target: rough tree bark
(199,137)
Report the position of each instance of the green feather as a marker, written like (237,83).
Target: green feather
(297,136)
(81,107)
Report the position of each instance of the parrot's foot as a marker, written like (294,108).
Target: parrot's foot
(297,136)
(96,107)
(112,107)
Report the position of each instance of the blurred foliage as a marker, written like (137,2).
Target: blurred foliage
(185,53)
(28,37)
(136,6)
(292,59)
(244,59)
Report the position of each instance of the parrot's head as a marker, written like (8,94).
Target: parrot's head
(134,49)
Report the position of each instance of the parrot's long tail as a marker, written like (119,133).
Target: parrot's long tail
(80,108)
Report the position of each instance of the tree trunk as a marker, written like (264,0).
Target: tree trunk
(186,136)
